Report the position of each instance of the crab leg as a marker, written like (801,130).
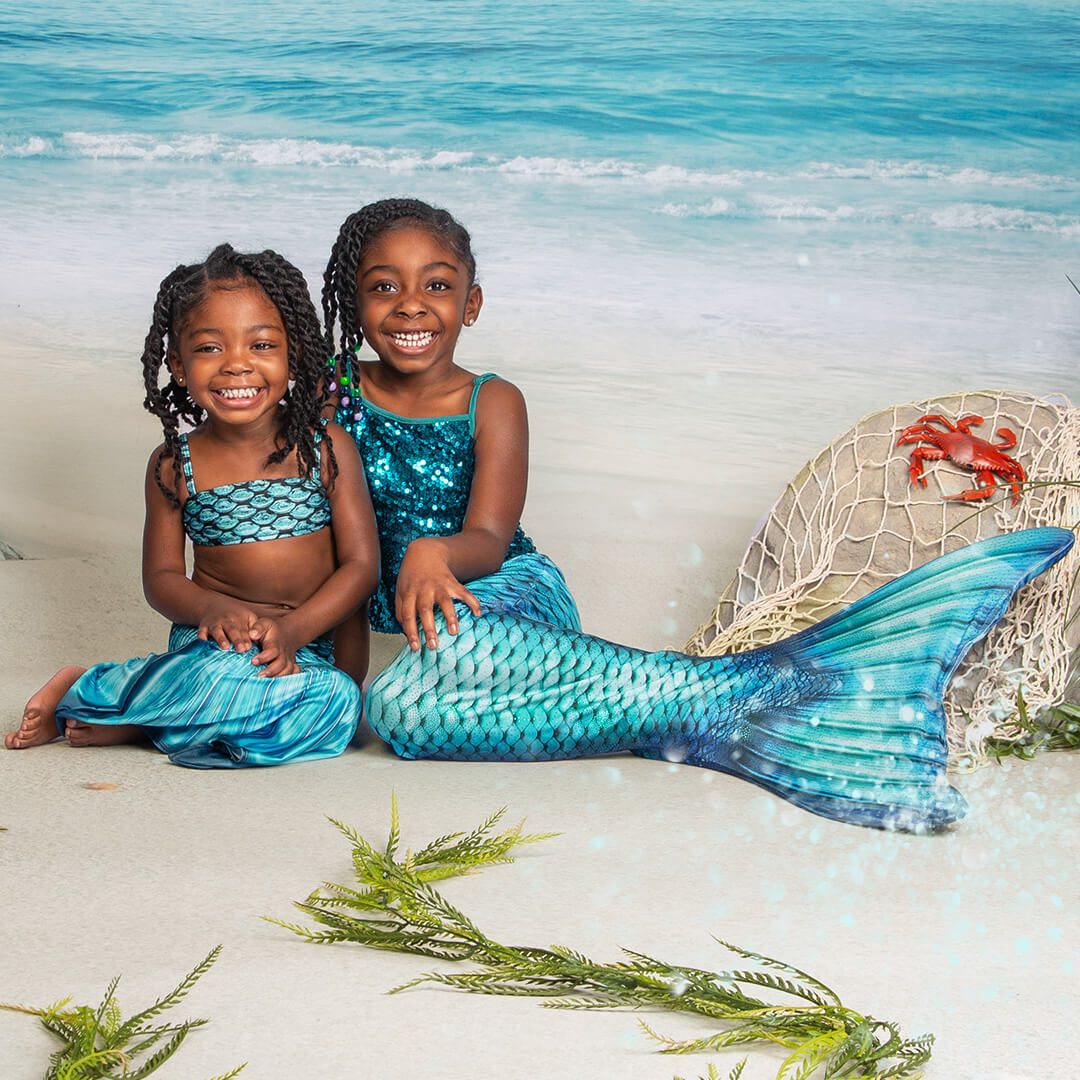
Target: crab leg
(920,454)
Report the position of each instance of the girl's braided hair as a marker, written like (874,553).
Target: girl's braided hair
(284,285)
(357,232)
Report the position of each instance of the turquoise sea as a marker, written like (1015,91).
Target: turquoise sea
(711,235)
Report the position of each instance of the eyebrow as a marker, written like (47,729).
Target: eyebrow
(387,267)
(247,330)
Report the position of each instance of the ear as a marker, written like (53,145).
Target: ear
(473,304)
(176,368)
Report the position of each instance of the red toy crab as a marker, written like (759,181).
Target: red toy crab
(966,450)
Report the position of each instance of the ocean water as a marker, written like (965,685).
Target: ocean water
(711,236)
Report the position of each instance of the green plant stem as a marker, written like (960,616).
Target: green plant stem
(1056,728)
(97,1042)
(392,905)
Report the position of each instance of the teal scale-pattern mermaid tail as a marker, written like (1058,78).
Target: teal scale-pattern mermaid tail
(843,719)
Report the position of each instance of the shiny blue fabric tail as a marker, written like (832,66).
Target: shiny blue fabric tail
(862,738)
(844,719)
(208,707)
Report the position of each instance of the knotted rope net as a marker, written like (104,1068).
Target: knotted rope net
(852,519)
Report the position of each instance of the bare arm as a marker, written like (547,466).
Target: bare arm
(356,546)
(434,567)
(167,587)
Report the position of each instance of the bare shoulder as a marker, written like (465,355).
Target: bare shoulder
(499,402)
(346,455)
(160,465)
(157,455)
(164,488)
(343,444)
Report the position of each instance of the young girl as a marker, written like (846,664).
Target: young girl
(274,502)
(844,719)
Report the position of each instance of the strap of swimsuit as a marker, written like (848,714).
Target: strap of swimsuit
(320,427)
(477,383)
(185,463)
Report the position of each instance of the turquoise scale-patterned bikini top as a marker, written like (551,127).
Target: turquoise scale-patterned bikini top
(256,509)
(419,472)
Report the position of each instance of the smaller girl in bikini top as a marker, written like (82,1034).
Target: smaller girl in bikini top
(282,510)
(254,510)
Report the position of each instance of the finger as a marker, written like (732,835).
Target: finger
(240,638)
(470,601)
(279,666)
(447,606)
(266,655)
(427,621)
(220,637)
(406,617)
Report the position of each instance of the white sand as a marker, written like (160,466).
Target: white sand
(971,934)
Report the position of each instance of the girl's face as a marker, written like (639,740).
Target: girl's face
(233,355)
(413,295)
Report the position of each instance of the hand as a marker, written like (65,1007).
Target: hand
(277,649)
(227,622)
(425,583)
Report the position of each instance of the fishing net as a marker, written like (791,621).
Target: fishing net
(852,519)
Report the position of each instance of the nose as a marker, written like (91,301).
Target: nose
(411,303)
(236,362)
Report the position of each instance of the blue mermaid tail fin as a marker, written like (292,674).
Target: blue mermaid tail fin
(850,724)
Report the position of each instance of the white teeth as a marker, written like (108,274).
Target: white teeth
(239,392)
(414,338)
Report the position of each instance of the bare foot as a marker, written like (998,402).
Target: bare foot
(79,734)
(39,717)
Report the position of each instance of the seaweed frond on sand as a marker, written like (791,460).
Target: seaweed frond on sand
(392,905)
(98,1043)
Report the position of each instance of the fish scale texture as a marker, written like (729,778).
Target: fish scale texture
(844,719)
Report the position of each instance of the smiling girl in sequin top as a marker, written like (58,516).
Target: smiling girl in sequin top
(445,451)
(274,502)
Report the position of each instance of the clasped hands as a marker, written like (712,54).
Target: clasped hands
(232,625)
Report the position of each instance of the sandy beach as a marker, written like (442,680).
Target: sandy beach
(969,934)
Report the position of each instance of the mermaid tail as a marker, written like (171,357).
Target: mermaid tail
(862,738)
(209,708)
(843,719)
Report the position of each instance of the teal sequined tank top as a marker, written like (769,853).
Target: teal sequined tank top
(419,473)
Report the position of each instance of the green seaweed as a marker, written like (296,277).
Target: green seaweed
(1055,728)
(99,1044)
(714,1072)
(393,905)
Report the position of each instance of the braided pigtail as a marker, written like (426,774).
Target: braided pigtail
(169,403)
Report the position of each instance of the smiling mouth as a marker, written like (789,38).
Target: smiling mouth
(413,339)
(239,393)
